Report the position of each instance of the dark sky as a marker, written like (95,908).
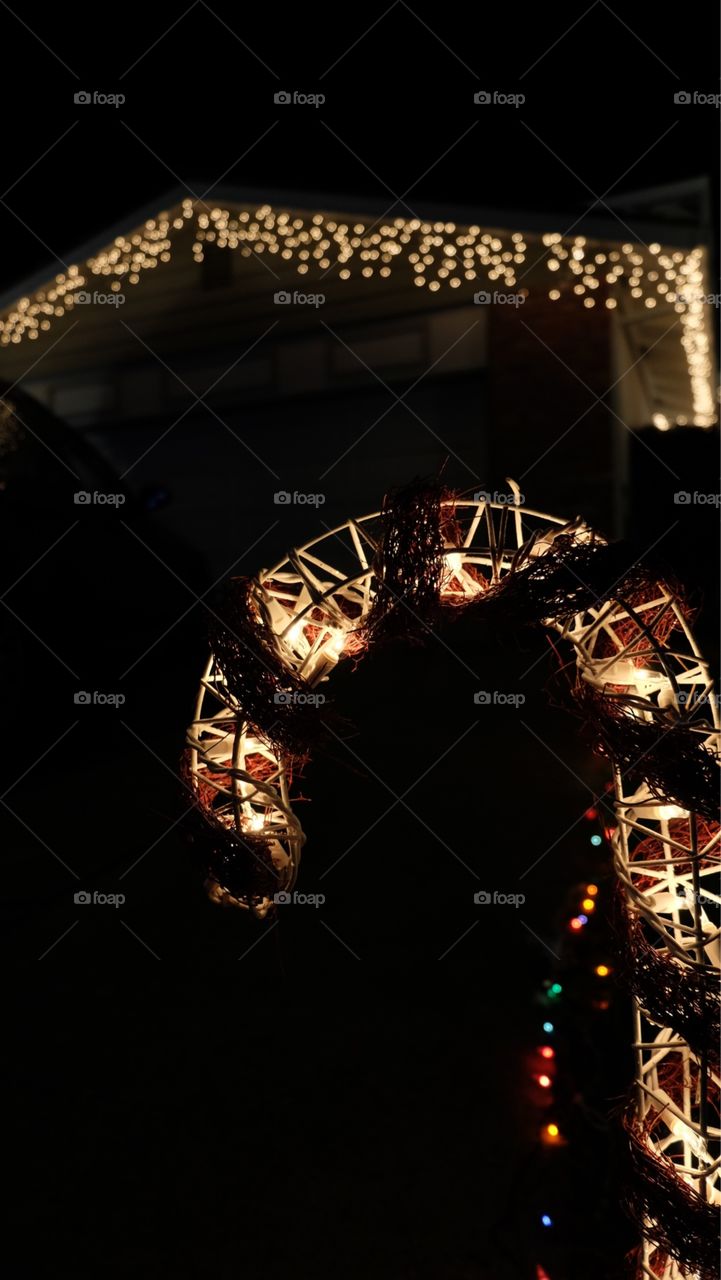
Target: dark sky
(399,121)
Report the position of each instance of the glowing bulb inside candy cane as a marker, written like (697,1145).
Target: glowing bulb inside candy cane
(454,572)
(294,634)
(337,642)
(668,811)
(255,822)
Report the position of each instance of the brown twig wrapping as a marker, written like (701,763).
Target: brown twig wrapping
(684,1226)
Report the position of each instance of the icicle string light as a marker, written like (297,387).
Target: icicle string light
(638,665)
(431,254)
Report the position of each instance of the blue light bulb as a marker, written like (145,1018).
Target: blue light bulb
(596,840)
(548,1027)
(547,1222)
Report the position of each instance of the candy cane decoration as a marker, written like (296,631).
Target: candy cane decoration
(648,689)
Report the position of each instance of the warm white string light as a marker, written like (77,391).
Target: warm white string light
(433,254)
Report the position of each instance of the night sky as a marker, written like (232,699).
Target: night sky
(345,1092)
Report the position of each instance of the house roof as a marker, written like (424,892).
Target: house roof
(677,214)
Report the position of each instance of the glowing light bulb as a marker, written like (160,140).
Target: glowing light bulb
(294,633)
(544,1081)
(337,642)
(452,569)
(592,890)
(546,1051)
(552,1130)
(602,970)
(596,840)
(671,811)
(254,822)
(588,904)
(546,1220)
(576,924)
(548,1028)
(591,814)
(555,989)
